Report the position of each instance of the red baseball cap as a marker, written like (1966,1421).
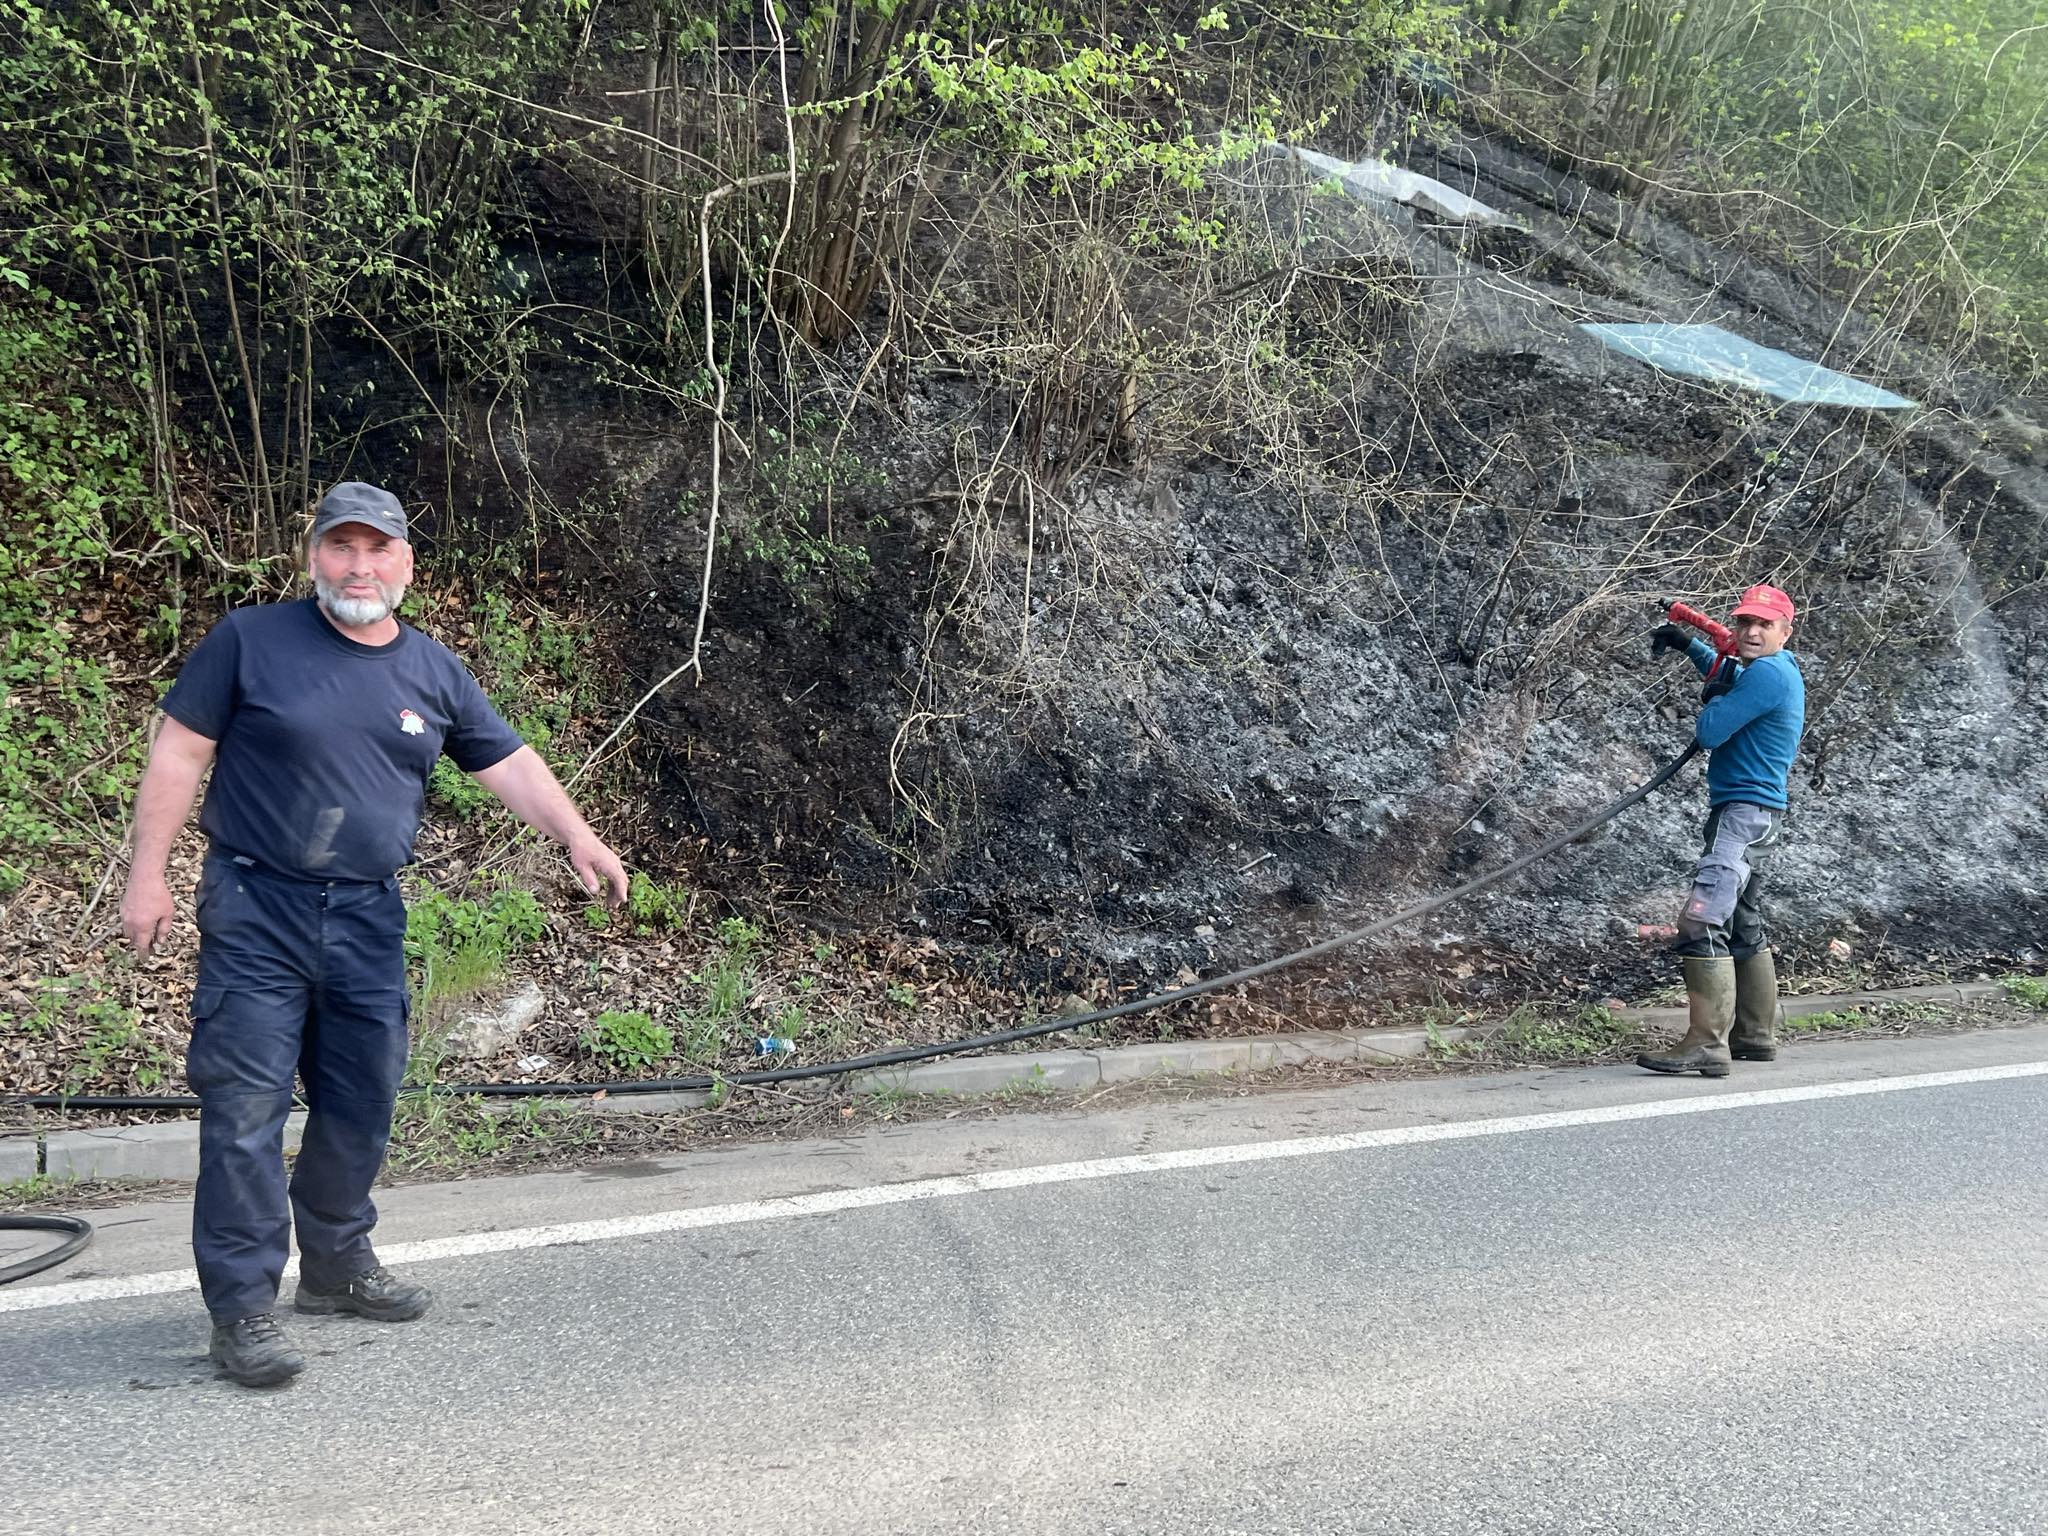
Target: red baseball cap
(1765,603)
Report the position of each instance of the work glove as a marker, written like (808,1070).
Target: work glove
(1668,637)
(1719,683)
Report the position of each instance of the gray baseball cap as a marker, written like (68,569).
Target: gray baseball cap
(354,502)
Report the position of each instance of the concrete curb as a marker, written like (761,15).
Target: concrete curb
(1070,1069)
(170,1150)
(628,1104)
(21,1157)
(166,1150)
(1840,1002)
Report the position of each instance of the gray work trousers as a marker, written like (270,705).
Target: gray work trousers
(1724,914)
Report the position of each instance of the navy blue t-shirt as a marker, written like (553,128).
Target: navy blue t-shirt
(325,745)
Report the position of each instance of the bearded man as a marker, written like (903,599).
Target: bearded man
(321,720)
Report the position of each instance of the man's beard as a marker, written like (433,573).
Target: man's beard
(359,612)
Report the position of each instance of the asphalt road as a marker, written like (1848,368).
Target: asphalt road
(1817,1314)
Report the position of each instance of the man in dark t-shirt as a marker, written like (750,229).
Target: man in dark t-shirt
(321,720)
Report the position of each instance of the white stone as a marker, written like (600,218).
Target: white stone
(487,1031)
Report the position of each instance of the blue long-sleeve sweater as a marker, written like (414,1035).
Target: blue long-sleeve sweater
(1752,730)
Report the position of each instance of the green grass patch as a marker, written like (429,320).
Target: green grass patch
(44,1189)
(655,905)
(1844,1021)
(435,1133)
(455,946)
(887,1098)
(104,1039)
(710,1024)
(1534,1033)
(1023,1090)
(1543,1034)
(36,1189)
(2029,991)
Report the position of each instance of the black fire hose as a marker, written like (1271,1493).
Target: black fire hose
(909,1053)
(874,1059)
(78,1240)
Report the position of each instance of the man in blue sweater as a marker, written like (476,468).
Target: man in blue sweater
(1750,721)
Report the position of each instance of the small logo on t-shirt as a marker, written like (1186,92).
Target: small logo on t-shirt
(411,723)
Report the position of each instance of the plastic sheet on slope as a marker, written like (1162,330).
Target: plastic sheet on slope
(1708,352)
(1379,181)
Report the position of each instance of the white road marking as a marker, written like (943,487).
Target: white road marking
(118,1287)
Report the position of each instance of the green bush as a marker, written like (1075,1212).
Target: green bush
(1534,1033)
(454,945)
(73,489)
(436,1132)
(1906,137)
(2030,990)
(456,792)
(115,1041)
(628,1041)
(655,904)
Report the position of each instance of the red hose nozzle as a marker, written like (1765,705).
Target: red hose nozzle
(1720,636)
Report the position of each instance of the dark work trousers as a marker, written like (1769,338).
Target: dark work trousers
(295,978)
(1724,912)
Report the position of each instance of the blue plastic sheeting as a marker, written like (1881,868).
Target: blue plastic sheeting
(1708,352)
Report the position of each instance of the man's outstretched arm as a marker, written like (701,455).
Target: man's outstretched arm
(178,760)
(532,793)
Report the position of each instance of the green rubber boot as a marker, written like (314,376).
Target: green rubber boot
(1710,995)
(1756,1009)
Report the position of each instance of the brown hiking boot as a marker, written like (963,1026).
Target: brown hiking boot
(1710,996)
(1756,1009)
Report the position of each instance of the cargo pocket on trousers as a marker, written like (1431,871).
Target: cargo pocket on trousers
(203,1014)
(1715,888)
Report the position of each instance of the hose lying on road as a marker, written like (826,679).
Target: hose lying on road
(908,1053)
(82,1233)
(77,1242)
